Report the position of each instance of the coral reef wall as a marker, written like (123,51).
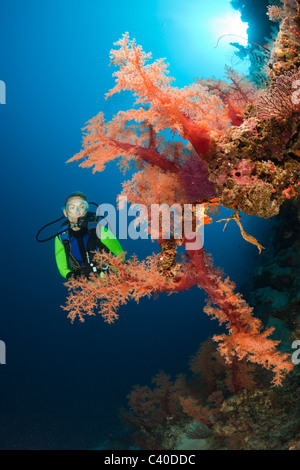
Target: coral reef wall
(274,288)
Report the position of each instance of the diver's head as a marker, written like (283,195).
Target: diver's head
(76,205)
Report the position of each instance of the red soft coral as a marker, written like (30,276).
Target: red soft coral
(200,116)
(192,112)
(134,280)
(246,337)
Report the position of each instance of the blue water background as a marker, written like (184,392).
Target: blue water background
(63,384)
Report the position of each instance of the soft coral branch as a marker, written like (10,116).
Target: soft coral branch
(148,155)
(134,280)
(151,84)
(101,146)
(246,339)
(126,281)
(192,112)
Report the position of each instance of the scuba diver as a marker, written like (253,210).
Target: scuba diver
(74,246)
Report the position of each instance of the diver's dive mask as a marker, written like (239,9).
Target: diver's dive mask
(77,207)
(82,221)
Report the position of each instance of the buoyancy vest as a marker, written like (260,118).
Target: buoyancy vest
(75,253)
(79,247)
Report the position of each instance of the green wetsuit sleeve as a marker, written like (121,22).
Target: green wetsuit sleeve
(61,258)
(110,241)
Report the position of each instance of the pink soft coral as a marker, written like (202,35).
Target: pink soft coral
(137,135)
(192,112)
(134,280)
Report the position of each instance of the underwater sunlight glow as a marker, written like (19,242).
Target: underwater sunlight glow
(230,24)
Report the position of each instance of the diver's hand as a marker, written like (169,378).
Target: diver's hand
(84,271)
(74,275)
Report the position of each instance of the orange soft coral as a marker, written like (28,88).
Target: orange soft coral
(192,112)
(151,408)
(131,280)
(246,339)
(137,135)
(134,280)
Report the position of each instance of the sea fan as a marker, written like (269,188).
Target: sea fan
(282,99)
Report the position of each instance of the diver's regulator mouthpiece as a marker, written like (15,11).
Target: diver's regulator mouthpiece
(83,221)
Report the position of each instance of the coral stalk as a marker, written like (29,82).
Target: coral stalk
(134,280)
(246,337)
